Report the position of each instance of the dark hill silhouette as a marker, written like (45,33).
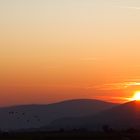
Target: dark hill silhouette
(123,116)
(35,116)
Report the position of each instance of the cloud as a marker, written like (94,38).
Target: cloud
(115,86)
(90,59)
(129,7)
(115,99)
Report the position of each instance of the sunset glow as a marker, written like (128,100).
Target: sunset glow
(54,50)
(136,96)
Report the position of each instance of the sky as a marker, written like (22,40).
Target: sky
(54,50)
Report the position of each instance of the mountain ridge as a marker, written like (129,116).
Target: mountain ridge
(35,116)
(123,116)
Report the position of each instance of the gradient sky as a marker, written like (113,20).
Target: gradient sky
(51,50)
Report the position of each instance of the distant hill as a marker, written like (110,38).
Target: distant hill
(35,116)
(123,116)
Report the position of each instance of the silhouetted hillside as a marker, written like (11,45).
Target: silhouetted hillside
(123,116)
(35,116)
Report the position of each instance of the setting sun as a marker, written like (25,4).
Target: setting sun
(136,95)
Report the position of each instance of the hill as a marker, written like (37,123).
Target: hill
(35,116)
(123,116)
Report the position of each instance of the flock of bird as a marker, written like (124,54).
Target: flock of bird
(20,115)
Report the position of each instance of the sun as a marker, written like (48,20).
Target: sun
(136,96)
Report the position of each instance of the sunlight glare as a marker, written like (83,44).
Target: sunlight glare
(136,96)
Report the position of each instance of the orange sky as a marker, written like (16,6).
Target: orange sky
(51,50)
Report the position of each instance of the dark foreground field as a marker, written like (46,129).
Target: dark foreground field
(70,136)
